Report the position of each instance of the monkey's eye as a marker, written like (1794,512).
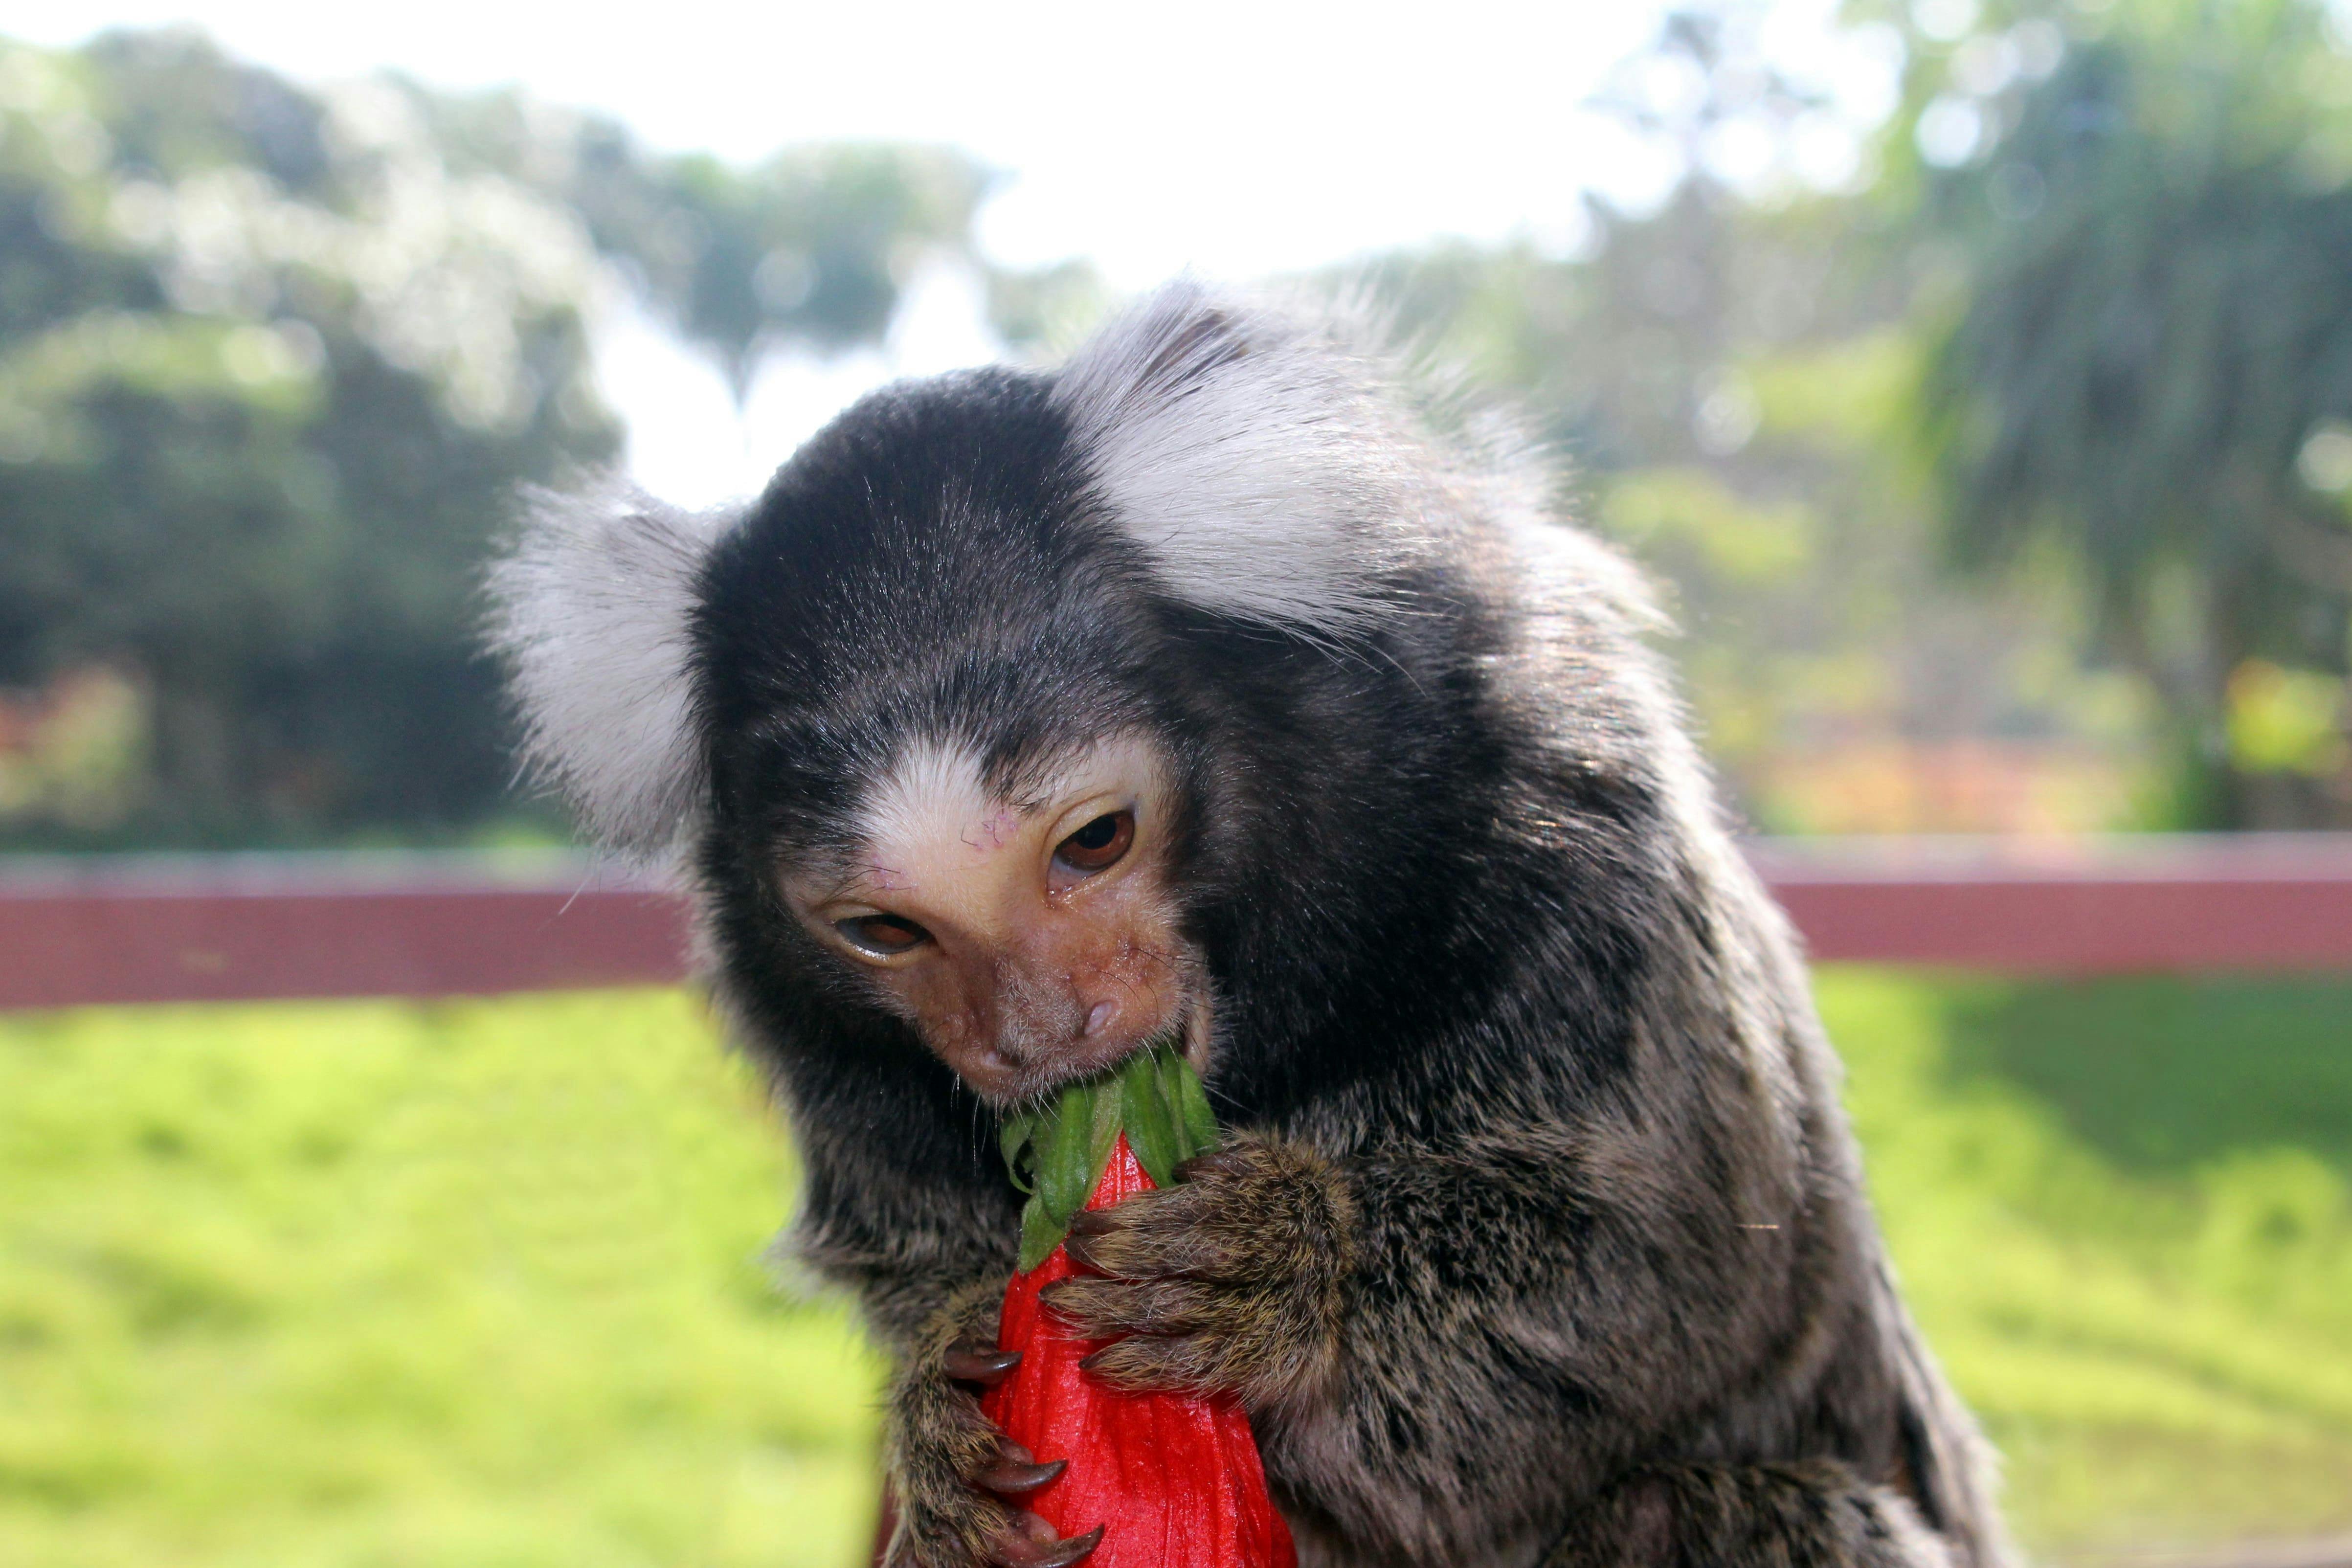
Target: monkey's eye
(1099,844)
(884,936)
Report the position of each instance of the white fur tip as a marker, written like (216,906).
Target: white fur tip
(592,603)
(1250,456)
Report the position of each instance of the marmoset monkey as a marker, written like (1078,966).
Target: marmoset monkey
(1209,688)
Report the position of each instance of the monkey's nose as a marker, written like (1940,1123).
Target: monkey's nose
(1099,1019)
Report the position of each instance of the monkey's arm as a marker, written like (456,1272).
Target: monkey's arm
(1234,1278)
(1411,1324)
(1294,1279)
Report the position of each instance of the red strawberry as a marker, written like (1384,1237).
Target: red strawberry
(1173,1478)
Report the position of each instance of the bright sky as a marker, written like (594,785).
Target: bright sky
(1234,139)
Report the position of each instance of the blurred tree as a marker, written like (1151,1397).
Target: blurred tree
(2096,255)
(1731,373)
(2149,368)
(1047,311)
(271,363)
(807,250)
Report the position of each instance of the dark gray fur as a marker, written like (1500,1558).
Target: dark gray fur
(1547,1240)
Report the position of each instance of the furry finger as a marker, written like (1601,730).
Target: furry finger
(956,1532)
(1130,1252)
(1204,1232)
(1102,1309)
(1144,1363)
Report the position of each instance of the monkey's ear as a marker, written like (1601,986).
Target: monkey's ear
(1252,455)
(592,610)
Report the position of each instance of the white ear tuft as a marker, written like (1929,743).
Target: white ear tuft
(593,604)
(1253,458)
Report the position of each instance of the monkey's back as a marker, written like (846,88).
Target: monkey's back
(1652,1065)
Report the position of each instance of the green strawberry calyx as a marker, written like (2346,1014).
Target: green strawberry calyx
(1058,1151)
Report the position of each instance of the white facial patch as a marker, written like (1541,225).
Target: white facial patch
(929,813)
(931,820)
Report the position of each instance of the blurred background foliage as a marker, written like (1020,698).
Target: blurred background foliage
(1999,479)
(272,361)
(1999,482)
(2002,481)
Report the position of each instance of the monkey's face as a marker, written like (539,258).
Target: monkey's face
(1026,931)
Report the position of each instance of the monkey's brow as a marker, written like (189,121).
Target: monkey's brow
(850,878)
(1029,800)
(824,867)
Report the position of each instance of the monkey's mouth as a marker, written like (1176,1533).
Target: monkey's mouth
(1037,1081)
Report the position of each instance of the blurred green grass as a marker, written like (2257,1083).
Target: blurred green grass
(476,1284)
(2121,1213)
(373,1284)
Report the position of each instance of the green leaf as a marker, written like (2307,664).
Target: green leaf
(1152,1131)
(1040,1233)
(1102,1132)
(1153,1097)
(1014,1138)
(1065,1177)
(1167,1068)
(1192,1102)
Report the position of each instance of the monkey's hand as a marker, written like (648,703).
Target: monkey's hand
(1230,1279)
(952,1472)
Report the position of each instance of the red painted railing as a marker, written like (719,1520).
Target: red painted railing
(2250,902)
(241,927)
(222,928)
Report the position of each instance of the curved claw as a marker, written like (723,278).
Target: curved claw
(1092,1222)
(967,1361)
(1020,1551)
(1010,1474)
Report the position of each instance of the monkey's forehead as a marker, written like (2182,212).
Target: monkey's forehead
(939,793)
(996,620)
